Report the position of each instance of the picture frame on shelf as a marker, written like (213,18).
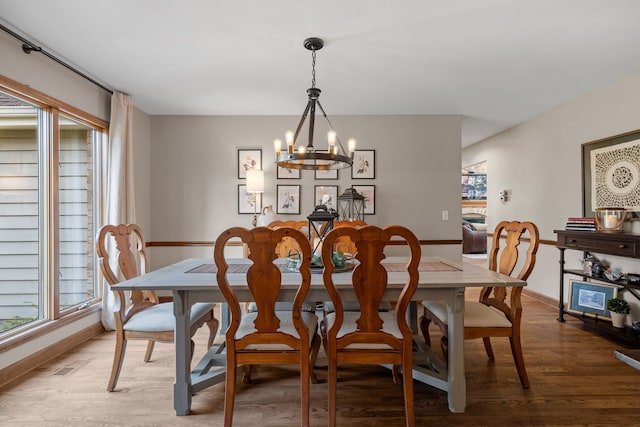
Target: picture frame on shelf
(288,199)
(326,195)
(247,200)
(369,193)
(610,170)
(364,164)
(326,174)
(248,159)
(590,299)
(286,173)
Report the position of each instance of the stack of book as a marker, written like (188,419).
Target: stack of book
(581,224)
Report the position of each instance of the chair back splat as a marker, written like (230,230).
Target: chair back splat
(370,336)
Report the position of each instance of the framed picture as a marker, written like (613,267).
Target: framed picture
(288,199)
(248,159)
(611,174)
(327,174)
(326,195)
(369,193)
(248,202)
(286,173)
(364,164)
(474,186)
(591,298)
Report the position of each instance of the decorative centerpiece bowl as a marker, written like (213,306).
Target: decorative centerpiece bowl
(610,219)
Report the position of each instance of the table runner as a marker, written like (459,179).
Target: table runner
(389,266)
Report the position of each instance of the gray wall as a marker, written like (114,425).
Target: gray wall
(194,180)
(540,162)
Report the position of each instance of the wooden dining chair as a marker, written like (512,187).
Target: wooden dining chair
(498,312)
(369,336)
(268,336)
(141,317)
(289,246)
(286,247)
(346,246)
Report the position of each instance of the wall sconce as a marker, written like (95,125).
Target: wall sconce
(255,184)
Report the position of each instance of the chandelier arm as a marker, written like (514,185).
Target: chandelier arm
(302,120)
(331,126)
(312,124)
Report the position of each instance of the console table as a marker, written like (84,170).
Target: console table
(618,244)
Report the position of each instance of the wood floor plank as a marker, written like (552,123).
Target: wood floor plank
(575,381)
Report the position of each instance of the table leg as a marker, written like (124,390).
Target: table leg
(225,317)
(182,389)
(457,383)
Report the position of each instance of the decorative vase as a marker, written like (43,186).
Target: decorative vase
(617,319)
(267,216)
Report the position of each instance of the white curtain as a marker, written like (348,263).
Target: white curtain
(118,174)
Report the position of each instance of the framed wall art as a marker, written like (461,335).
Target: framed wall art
(611,174)
(327,174)
(248,202)
(288,199)
(591,298)
(369,193)
(286,173)
(326,195)
(364,164)
(248,159)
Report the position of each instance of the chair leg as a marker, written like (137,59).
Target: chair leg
(444,346)
(395,373)
(487,347)
(424,328)
(118,357)
(315,349)
(332,380)
(213,330)
(229,393)
(407,379)
(147,355)
(246,377)
(516,349)
(305,368)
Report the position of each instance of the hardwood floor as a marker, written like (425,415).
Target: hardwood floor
(575,381)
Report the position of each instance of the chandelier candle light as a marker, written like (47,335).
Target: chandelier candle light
(335,156)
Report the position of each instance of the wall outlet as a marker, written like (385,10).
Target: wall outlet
(445,215)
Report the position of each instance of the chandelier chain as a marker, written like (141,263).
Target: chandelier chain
(313,68)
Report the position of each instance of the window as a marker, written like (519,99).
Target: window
(48,184)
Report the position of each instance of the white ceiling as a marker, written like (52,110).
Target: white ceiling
(495,62)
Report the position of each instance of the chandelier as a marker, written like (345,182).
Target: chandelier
(335,156)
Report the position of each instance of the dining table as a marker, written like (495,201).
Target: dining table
(194,280)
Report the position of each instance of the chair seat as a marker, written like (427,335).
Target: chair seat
(160,317)
(476,314)
(247,326)
(389,326)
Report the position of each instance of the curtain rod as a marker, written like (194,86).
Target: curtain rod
(28,47)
